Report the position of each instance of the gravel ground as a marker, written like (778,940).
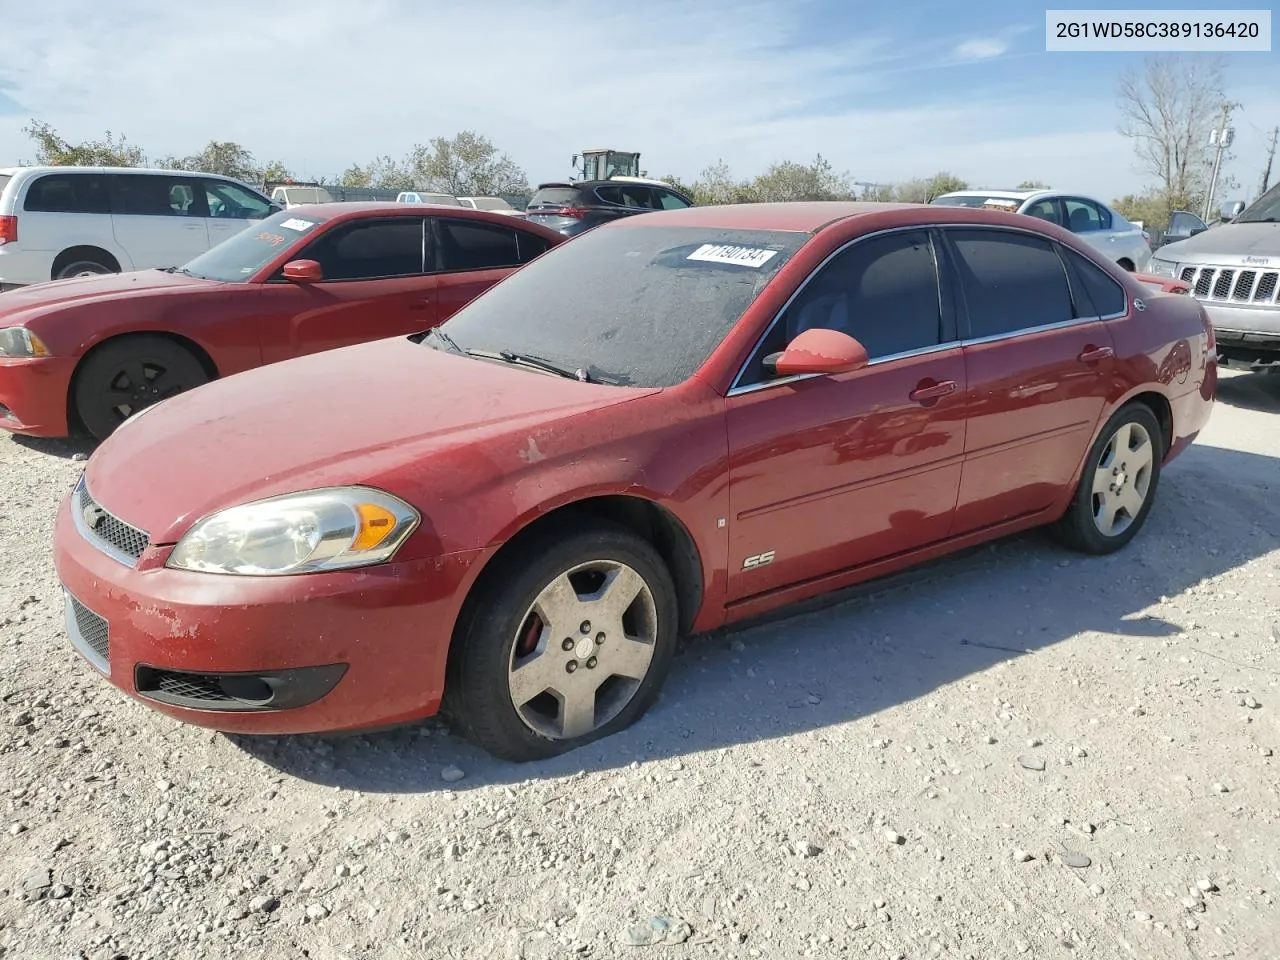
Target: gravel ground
(1017,752)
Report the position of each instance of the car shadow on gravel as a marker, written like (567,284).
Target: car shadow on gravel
(1252,391)
(71,448)
(835,661)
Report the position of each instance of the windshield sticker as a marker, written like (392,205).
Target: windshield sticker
(272,238)
(296,224)
(753,257)
(1001,202)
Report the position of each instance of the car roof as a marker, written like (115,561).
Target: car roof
(351,209)
(147,171)
(796,216)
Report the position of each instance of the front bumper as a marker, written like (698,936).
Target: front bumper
(33,395)
(1246,335)
(304,654)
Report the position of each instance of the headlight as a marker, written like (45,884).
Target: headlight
(21,342)
(329,529)
(1161,268)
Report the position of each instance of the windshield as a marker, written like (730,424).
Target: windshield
(632,305)
(554,197)
(302,195)
(491,203)
(1002,203)
(441,199)
(241,255)
(1266,209)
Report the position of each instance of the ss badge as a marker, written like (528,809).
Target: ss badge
(759,560)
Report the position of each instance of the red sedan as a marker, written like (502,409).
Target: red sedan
(672,423)
(91,352)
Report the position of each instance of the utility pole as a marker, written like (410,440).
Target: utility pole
(1271,155)
(1220,137)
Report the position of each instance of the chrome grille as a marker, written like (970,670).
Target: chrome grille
(108,532)
(1227,284)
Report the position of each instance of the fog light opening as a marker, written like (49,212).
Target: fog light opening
(249,690)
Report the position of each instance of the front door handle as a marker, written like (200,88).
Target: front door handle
(925,391)
(1094,354)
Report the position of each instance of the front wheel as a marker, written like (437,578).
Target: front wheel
(83,268)
(568,641)
(124,376)
(1118,485)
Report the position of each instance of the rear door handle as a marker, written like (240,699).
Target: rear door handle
(923,393)
(1094,354)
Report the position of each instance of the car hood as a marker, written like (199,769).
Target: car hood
(341,417)
(35,299)
(1224,244)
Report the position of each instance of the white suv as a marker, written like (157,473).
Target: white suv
(60,222)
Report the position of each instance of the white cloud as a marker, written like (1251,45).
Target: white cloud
(321,84)
(981,49)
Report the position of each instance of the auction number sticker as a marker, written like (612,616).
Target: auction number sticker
(752,257)
(296,224)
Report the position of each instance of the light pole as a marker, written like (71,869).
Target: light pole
(1220,137)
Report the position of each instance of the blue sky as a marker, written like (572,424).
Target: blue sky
(885,91)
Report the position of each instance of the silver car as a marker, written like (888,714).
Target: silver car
(1234,270)
(1097,224)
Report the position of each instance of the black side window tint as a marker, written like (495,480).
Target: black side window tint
(611,195)
(369,251)
(883,292)
(530,246)
(1105,297)
(477,246)
(1011,281)
(69,193)
(146,195)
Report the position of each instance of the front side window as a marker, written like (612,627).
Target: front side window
(638,306)
(671,201)
(148,195)
(1046,209)
(628,196)
(882,291)
(227,201)
(69,193)
(1084,216)
(1185,223)
(466,245)
(1010,281)
(1266,209)
(244,254)
(370,249)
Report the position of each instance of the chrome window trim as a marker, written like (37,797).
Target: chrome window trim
(96,541)
(736,387)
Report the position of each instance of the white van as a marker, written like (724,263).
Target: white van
(60,222)
(291,195)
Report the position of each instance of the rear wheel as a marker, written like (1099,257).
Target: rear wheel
(568,641)
(83,267)
(124,376)
(1118,485)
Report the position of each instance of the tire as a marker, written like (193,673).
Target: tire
(83,267)
(124,376)
(1085,526)
(502,632)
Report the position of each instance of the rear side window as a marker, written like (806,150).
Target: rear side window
(554,197)
(69,193)
(628,196)
(1105,297)
(1011,281)
(477,246)
(147,195)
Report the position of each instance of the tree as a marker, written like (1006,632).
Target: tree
(716,184)
(110,151)
(355,176)
(1151,209)
(225,158)
(927,190)
(274,171)
(1167,109)
(469,165)
(677,184)
(1271,156)
(790,181)
(1033,185)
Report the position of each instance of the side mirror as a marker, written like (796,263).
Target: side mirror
(1195,230)
(303,271)
(1229,211)
(818,350)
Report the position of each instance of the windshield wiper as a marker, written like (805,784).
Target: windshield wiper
(538,363)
